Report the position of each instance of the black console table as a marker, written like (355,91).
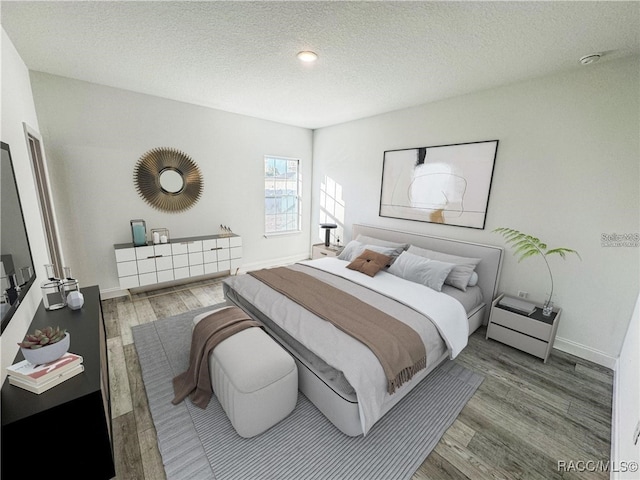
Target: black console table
(69,426)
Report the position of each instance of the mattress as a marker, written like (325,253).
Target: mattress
(264,304)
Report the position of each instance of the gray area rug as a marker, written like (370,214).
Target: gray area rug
(202,444)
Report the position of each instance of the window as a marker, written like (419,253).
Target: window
(282,212)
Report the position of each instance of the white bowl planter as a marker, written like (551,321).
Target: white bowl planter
(48,353)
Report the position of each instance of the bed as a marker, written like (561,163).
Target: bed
(340,375)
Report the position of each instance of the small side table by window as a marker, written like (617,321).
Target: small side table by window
(320,250)
(533,334)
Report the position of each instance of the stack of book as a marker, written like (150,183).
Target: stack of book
(40,378)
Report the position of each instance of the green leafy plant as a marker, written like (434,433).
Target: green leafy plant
(42,338)
(528,246)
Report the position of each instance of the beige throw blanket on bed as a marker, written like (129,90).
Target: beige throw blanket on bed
(398,347)
(207,334)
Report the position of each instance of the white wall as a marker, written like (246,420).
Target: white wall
(93,137)
(567,171)
(626,406)
(18,107)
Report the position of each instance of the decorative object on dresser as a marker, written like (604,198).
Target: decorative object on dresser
(168,179)
(532,333)
(81,401)
(46,345)
(528,246)
(160,235)
(446,184)
(42,386)
(178,259)
(75,300)
(224,230)
(40,378)
(138,232)
(27,371)
(52,288)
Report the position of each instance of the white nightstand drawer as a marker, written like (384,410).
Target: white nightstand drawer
(521,323)
(518,340)
(235,241)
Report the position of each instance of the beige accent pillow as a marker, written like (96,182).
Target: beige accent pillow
(369,262)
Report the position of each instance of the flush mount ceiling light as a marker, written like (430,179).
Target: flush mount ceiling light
(307,56)
(587,59)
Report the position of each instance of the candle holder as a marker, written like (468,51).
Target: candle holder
(160,235)
(138,232)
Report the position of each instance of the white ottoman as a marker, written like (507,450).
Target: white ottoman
(254,379)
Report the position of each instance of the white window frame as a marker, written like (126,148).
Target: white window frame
(268,225)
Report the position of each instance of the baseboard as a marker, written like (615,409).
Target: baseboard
(108,293)
(615,421)
(587,353)
(273,263)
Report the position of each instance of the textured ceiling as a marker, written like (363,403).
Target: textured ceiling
(374,57)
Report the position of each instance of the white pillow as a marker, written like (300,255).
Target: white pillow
(415,268)
(473,281)
(381,243)
(354,249)
(461,273)
(348,251)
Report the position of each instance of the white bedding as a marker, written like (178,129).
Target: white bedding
(447,314)
(358,364)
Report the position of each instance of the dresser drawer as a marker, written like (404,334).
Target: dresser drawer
(126,269)
(521,323)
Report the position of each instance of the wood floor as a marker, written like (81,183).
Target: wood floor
(525,418)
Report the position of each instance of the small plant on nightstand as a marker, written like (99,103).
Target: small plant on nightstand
(528,246)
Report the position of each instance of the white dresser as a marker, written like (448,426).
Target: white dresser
(179,259)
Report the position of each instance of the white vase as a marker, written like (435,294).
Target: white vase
(47,354)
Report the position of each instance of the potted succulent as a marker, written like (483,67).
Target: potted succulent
(528,246)
(46,345)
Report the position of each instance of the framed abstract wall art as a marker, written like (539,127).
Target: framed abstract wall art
(447,184)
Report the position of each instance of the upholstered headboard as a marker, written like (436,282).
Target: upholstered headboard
(488,269)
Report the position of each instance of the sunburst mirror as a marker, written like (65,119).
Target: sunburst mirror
(168,179)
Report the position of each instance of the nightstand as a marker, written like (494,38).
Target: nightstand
(319,250)
(532,333)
